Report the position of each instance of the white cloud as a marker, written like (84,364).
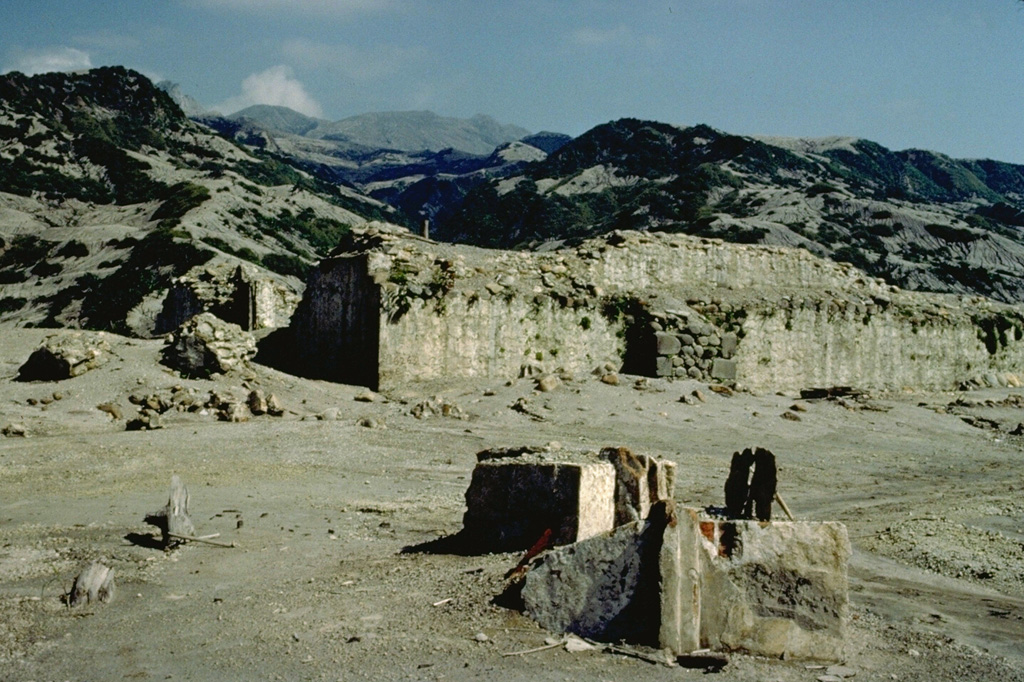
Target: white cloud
(31,62)
(342,8)
(351,62)
(276,86)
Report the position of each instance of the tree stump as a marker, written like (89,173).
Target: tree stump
(173,519)
(94,584)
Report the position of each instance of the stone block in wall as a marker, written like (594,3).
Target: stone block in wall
(723,369)
(775,589)
(729,343)
(517,495)
(663,366)
(668,344)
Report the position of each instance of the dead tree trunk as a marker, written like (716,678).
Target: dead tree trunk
(173,519)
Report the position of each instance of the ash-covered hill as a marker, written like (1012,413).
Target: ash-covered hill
(108,192)
(916,218)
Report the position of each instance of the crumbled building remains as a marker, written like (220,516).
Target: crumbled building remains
(65,355)
(247,296)
(389,308)
(623,563)
(206,345)
(518,494)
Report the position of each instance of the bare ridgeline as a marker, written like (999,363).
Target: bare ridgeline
(609,553)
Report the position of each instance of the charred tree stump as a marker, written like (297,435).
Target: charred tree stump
(737,488)
(763,484)
(173,520)
(94,584)
(746,496)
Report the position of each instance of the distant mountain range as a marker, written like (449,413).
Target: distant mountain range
(918,219)
(108,191)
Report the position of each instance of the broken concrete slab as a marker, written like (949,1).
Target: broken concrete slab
(605,587)
(517,494)
(775,589)
(640,481)
(683,582)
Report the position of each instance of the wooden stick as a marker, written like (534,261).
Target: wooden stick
(533,651)
(785,507)
(204,540)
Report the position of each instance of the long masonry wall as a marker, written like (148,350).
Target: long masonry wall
(492,337)
(407,310)
(889,350)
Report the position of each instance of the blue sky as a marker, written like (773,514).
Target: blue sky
(945,75)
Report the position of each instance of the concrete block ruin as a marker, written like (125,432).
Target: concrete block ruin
(518,494)
(624,564)
(389,308)
(250,297)
(683,582)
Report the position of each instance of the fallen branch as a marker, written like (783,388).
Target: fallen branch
(785,507)
(533,651)
(204,539)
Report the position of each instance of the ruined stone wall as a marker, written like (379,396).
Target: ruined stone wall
(395,308)
(843,344)
(492,336)
(653,261)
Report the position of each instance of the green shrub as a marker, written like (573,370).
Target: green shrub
(181,198)
(73,249)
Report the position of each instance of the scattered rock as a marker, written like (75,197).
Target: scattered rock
(274,407)
(15,430)
(257,402)
(371,423)
(366,396)
(721,390)
(791,416)
(798,407)
(612,379)
(67,355)
(233,412)
(207,345)
(840,671)
(437,407)
(548,383)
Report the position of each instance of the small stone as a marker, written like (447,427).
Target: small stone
(611,379)
(548,383)
(574,645)
(113,409)
(699,395)
(330,414)
(791,417)
(481,637)
(798,407)
(274,408)
(366,396)
(15,430)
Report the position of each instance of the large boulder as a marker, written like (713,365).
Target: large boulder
(206,345)
(65,355)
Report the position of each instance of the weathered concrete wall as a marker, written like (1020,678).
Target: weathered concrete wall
(824,344)
(486,335)
(395,308)
(635,261)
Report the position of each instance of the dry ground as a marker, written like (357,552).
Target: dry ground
(319,587)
